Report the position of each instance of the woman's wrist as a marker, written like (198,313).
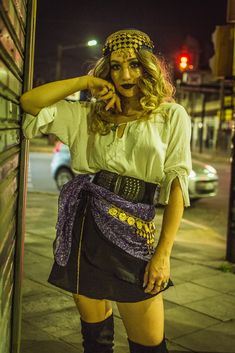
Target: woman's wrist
(84,82)
(89,82)
(163,249)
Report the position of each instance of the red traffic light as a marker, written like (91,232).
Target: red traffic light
(184,62)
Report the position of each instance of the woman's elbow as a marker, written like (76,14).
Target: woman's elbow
(27,105)
(176,194)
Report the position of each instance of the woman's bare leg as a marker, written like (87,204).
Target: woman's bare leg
(96,324)
(92,310)
(144,321)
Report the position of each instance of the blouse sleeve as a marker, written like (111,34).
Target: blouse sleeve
(61,119)
(178,155)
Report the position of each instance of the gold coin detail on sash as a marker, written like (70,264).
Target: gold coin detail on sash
(130,221)
(139,224)
(143,229)
(113,211)
(122,216)
(146,228)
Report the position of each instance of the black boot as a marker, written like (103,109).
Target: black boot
(98,337)
(138,348)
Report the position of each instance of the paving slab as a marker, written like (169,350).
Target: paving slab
(32,287)
(218,338)
(191,270)
(180,321)
(47,232)
(188,292)
(224,282)
(59,323)
(39,245)
(41,206)
(74,338)
(197,245)
(198,253)
(176,348)
(215,263)
(36,266)
(39,217)
(221,307)
(169,305)
(42,304)
(37,341)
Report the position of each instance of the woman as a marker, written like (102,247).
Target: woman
(131,150)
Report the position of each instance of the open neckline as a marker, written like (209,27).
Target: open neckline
(127,125)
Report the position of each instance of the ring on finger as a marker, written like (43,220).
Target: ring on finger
(164,284)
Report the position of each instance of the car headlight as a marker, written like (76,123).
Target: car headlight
(210,169)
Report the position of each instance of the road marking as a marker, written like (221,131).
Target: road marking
(196,225)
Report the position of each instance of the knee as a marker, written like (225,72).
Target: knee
(150,338)
(92,310)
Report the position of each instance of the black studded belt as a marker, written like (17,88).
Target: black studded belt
(131,189)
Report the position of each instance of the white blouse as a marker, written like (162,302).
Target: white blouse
(155,150)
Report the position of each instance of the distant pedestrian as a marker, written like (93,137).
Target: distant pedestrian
(130,149)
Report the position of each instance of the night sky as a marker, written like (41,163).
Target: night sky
(74,21)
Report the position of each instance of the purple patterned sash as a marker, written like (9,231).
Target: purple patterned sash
(118,232)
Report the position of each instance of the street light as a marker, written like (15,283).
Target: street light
(92,43)
(62,48)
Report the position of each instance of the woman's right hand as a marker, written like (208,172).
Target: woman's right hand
(105,91)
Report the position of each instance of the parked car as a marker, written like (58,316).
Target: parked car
(203,179)
(61,165)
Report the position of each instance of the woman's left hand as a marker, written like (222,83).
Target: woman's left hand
(157,273)
(111,98)
(105,91)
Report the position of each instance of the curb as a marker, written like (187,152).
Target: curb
(48,193)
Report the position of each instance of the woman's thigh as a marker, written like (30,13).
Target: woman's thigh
(92,310)
(144,321)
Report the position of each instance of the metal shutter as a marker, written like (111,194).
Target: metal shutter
(17,28)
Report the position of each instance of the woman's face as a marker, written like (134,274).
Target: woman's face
(125,70)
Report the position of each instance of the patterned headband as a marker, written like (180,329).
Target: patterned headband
(129,38)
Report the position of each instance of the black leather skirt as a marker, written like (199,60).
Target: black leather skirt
(97,268)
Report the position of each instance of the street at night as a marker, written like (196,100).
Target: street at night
(131,106)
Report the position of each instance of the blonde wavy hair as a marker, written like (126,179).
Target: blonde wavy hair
(155,87)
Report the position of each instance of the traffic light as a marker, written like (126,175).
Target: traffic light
(184,62)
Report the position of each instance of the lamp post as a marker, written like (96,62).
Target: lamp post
(62,48)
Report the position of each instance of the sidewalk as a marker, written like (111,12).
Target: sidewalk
(212,156)
(200,308)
